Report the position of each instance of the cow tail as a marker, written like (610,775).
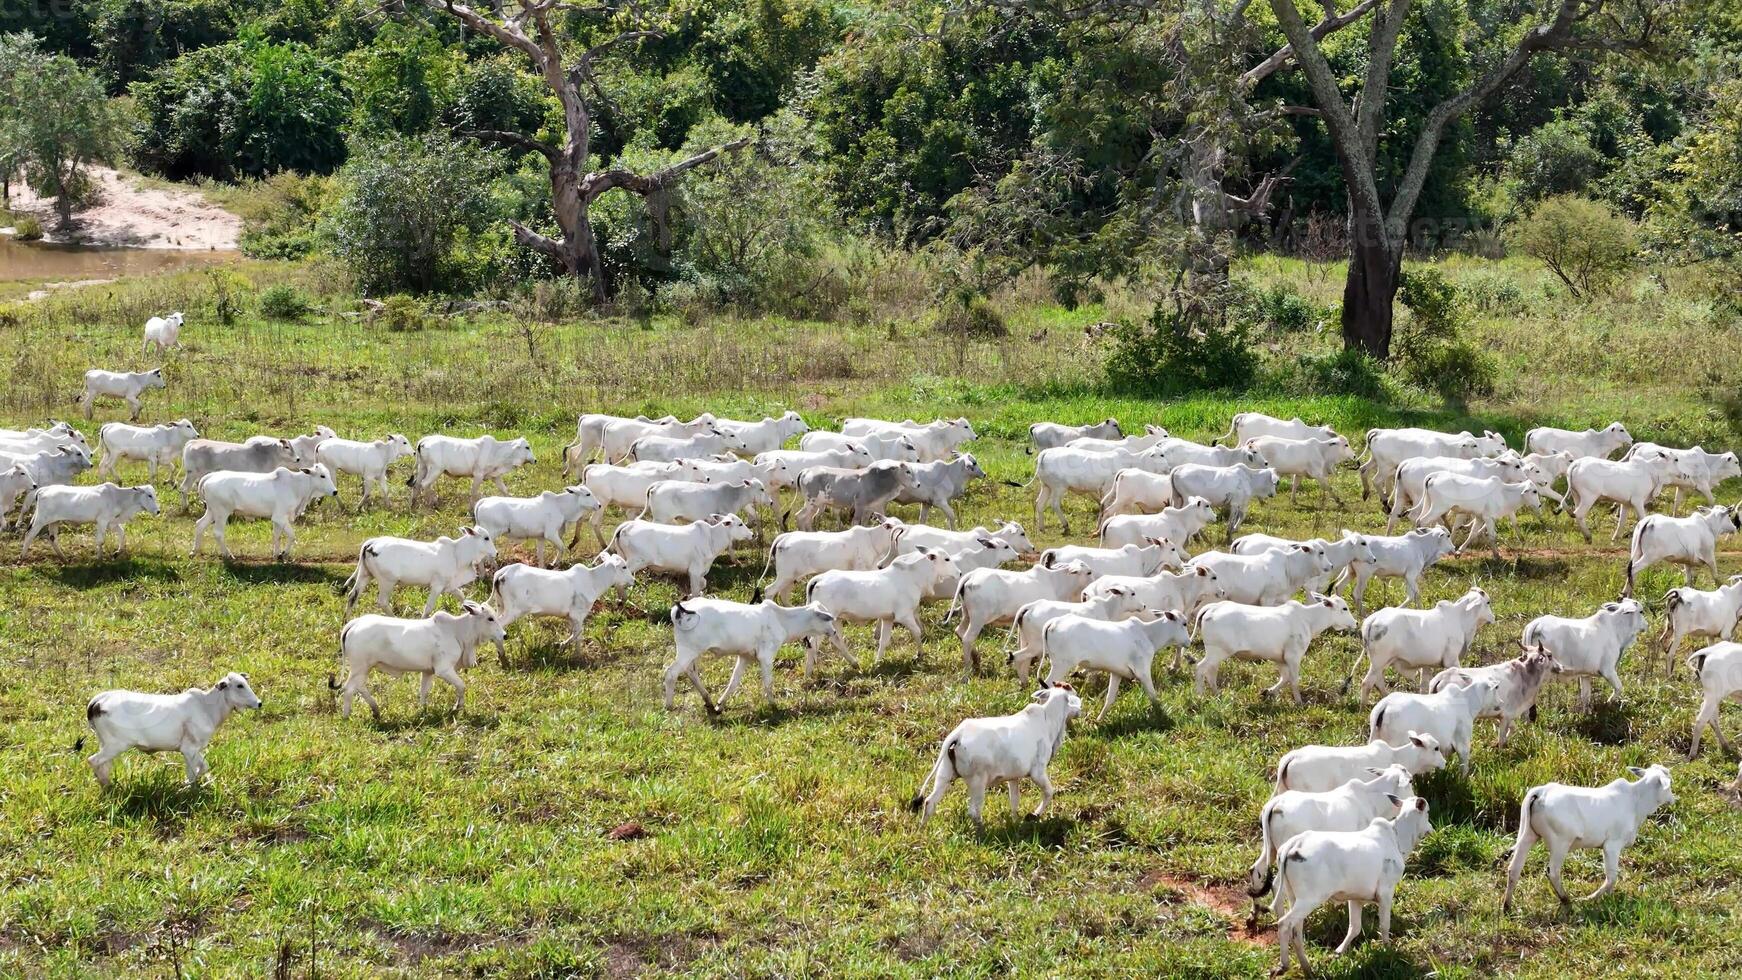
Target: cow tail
(1635,551)
(957,598)
(359,579)
(1267,851)
(496,589)
(1698,662)
(766,565)
(947,754)
(1233,429)
(617,532)
(1524,812)
(1378,722)
(417,467)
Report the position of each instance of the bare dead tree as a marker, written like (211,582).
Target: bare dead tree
(527,26)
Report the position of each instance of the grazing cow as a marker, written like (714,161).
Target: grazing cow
(934,440)
(1358,867)
(1349,807)
(1404,556)
(1134,559)
(1069,470)
(1251,425)
(1686,541)
(1136,491)
(1388,448)
(125,385)
(1321,768)
(1315,459)
(366,460)
(745,632)
(889,597)
(1484,500)
(1517,682)
(1599,443)
(984,752)
(258,454)
(445,565)
(107,506)
(1567,817)
(1349,548)
(783,466)
(1277,634)
(677,501)
(689,549)
(1701,471)
(1178,524)
(1449,716)
(435,646)
(911,537)
(865,492)
(1124,650)
(1046,435)
(482,458)
(671,449)
(1229,488)
(590,437)
(154,445)
(751,438)
(1184,592)
(1591,646)
(990,596)
(155,723)
(1719,670)
(1412,476)
(1635,484)
(164,331)
(619,435)
(937,484)
(519,590)
(1687,611)
(798,555)
(1269,577)
(1179,452)
(1419,639)
(892,447)
(1032,619)
(541,518)
(279,496)
(15,481)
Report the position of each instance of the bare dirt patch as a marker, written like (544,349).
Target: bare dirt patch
(1229,902)
(128,213)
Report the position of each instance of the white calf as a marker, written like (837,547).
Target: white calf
(990,596)
(1686,541)
(984,752)
(1419,639)
(893,447)
(618,435)
(798,555)
(15,481)
(1449,716)
(1484,500)
(1349,807)
(688,549)
(1315,459)
(154,445)
(1635,484)
(1137,491)
(1031,621)
(164,331)
(279,496)
(107,506)
(670,449)
(1251,425)
(541,518)
(1701,471)
(367,460)
(912,537)
(154,723)
(1689,612)
(889,597)
(1567,817)
(1719,670)
(436,646)
(751,438)
(934,440)
(1176,524)
(1066,470)
(1228,488)
(590,437)
(746,632)
(1589,647)
(1146,558)
(1046,435)
(1269,577)
(445,565)
(1124,650)
(1388,448)
(623,487)
(1277,634)
(1404,556)
(521,590)
(1412,475)
(483,458)
(1319,768)
(1516,684)
(1341,553)
(1184,592)
(676,501)
(1599,443)
(125,385)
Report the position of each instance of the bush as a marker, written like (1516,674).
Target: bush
(403,207)
(971,318)
(1429,349)
(1283,310)
(1492,293)
(403,314)
(1457,371)
(27,229)
(1584,243)
(1346,372)
(284,302)
(1171,355)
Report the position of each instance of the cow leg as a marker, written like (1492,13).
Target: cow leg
(35,529)
(90,402)
(1014,788)
(672,673)
(1413,584)
(949,513)
(1045,786)
(1354,932)
(1611,675)
(884,629)
(1520,853)
(739,663)
(100,534)
(1204,679)
(910,623)
(1584,694)
(101,762)
(135,406)
(1112,695)
(1039,509)
(970,634)
(54,540)
(1146,680)
(976,799)
(452,677)
(765,660)
(1712,565)
(1058,508)
(289,533)
(1611,870)
(424,683)
(1329,491)
(501,484)
(120,539)
(1670,639)
(194,760)
(694,673)
(1505,726)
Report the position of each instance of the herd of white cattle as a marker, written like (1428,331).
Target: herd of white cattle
(1343,819)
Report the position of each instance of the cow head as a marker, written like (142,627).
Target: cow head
(236,692)
(1655,780)
(146,497)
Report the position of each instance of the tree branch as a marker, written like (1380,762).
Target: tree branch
(507,32)
(1323,29)
(1381,46)
(596,184)
(533,240)
(1364,201)
(549,152)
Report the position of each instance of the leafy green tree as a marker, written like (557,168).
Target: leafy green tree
(405,204)
(1583,242)
(400,82)
(55,120)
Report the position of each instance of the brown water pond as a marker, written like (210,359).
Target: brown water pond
(33,260)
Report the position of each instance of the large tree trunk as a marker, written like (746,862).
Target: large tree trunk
(1374,269)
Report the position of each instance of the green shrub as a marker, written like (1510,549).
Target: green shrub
(1429,349)
(28,229)
(1456,370)
(1584,243)
(1346,372)
(1171,355)
(284,302)
(1492,293)
(403,314)
(404,207)
(1281,309)
(971,318)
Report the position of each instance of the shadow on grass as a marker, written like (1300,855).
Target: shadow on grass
(1003,830)
(161,797)
(1608,722)
(126,569)
(422,719)
(282,573)
(1143,720)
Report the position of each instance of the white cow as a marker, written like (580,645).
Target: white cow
(1516,684)
(1687,611)
(1123,650)
(1046,435)
(107,506)
(1635,484)
(1686,541)
(1251,425)
(798,555)
(688,549)
(61,431)
(443,566)
(154,445)
(1591,646)
(257,454)
(668,449)
(1567,817)
(1449,716)
(990,596)
(893,447)
(15,482)
(164,331)
(911,537)
(155,723)
(366,460)
(1315,459)
(937,484)
(1341,553)
(675,501)
(984,752)
(1404,556)
(745,632)
(934,440)
(990,553)
(1701,471)
(483,458)
(1349,807)
(889,597)
(1184,592)
(617,436)
(590,437)
(435,646)
(1277,634)
(751,438)
(1067,470)
(541,518)
(1136,491)
(1320,768)
(1357,868)
(1412,475)
(1419,639)
(731,469)
(125,385)
(1485,500)
(519,590)
(1229,488)
(1179,452)
(623,487)
(1154,435)
(1031,621)
(1147,558)
(1269,577)
(783,466)
(307,446)
(1600,443)
(1388,448)
(1719,671)
(279,496)
(1177,524)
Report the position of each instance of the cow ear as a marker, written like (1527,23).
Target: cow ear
(1048,560)
(467,530)
(1421,804)
(1395,800)
(1202,571)
(986,542)
(1635,770)
(1416,741)
(1376,772)
(223,684)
